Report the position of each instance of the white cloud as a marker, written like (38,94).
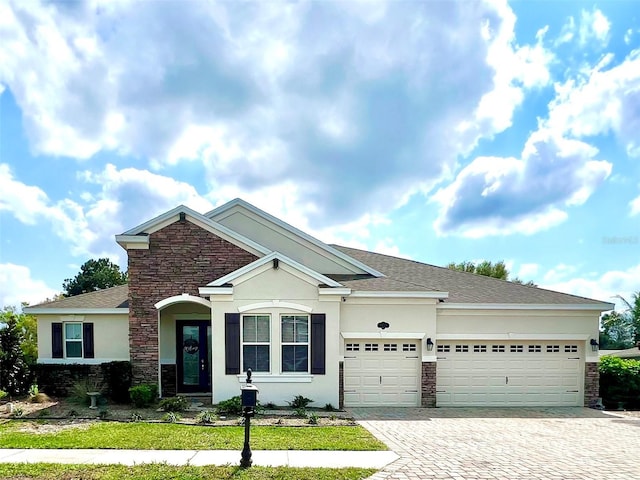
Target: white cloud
(593,26)
(607,101)
(250,91)
(495,195)
(17,286)
(600,286)
(634,206)
(528,271)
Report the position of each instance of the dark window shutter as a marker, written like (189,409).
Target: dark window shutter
(56,340)
(318,343)
(232,343)
(87,340)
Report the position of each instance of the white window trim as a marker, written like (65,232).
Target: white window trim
(296,344)
(243,343)
(75,340)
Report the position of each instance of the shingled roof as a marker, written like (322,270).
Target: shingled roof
(463,287)
(114,297)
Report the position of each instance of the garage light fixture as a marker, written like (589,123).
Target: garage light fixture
(429,344)
(594,345)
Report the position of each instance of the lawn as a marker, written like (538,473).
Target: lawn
(43,471)
(160,436)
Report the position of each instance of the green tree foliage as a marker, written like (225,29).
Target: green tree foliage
(14,372)
(28,327)
(620,330)
(488,269)
(620,382)
(94,275)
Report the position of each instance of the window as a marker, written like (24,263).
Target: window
(535,348)
(353,347)
(73,340)
(553,348)
(497,348)
(370,347)
(256,340)
(295,343)
(462,348)
(408,347)
(390,347)
(570,349)
(479,348)
(516,348)
(444,348)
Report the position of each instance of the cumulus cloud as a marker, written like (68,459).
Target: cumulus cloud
(495,195)
(592,28)
(17,286)
(634,206)
(599,286)
(374,111)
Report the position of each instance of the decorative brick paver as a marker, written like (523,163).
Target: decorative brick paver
(505,444)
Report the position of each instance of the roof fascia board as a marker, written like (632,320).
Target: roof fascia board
(399,294)
(263,261)
(600,307)
(292,230)
(334,291)
(76,311)
(196,218)
(207,291)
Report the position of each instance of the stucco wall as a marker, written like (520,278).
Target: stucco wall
(110,334)
(282,285)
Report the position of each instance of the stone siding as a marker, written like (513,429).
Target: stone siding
(181,258)
(340,384)
(169,376)
(428,383)
(591,384)
(58,380)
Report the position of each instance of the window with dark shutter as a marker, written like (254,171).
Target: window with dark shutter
(87,340)
(318,342)
(232,343)
(56,340)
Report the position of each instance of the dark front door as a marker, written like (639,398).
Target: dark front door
(193,355)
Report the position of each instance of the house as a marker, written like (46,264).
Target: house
(212,295)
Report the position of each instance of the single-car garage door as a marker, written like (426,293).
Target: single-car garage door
(500,373)
(379,373)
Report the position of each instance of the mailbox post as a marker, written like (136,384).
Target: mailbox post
(249,395)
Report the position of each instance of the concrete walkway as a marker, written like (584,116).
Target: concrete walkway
(270,458)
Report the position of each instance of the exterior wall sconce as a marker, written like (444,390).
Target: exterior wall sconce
(276,263)
(429,344)
(594,345)
(383,325)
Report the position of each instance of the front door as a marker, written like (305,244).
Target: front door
(193,355)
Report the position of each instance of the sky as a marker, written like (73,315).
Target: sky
(435,130)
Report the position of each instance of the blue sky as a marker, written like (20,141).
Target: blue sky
(440,131)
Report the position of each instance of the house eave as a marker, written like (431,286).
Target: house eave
(600,307)
(76,311)
(398,294)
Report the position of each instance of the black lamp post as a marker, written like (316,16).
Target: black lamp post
(249,395)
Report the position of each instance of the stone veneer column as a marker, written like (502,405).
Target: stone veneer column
(428,384)
(591,383)
(181,257)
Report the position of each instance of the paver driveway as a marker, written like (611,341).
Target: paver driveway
(506,444)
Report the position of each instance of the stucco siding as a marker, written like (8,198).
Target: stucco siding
(111,337)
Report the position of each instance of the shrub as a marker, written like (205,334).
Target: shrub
(300,412)
(103,413)
(14,371)
(313,419)
(135,417)
(329,408)
(3,395)
(300,402)
(175,404)
(17,412)
(33,390)
(620,382)
(206,417)
(143,395)
(171,417)
(231,406)
(117,376)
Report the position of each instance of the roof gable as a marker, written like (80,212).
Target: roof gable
(277,235)
(138,237)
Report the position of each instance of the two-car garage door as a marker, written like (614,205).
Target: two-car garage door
(500,373)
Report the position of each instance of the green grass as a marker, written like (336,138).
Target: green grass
(45,471)
(153,436)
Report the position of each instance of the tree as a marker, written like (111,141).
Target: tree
(14,372)
(28,327)
(94,275)
(620,330)
(488,269)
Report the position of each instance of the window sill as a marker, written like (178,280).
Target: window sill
(276,378)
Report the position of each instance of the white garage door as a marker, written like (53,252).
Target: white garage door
(494,373)
(378,373)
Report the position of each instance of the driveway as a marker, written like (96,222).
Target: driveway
(505,444)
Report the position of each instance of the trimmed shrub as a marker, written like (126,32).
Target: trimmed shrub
(300,401)
(175,404)
(144,395)
(620,382)
(232,406)
(117,376)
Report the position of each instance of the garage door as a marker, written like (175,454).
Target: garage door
(378,373)
(509,373)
